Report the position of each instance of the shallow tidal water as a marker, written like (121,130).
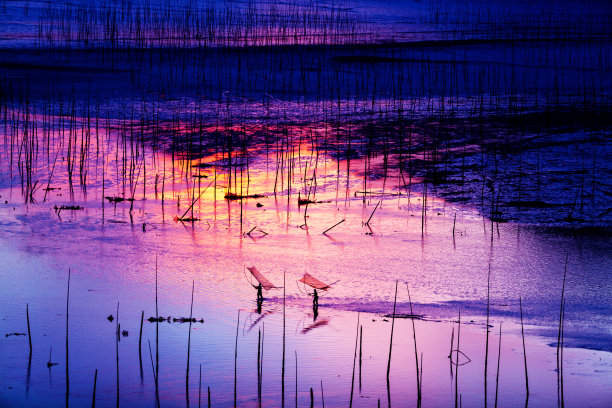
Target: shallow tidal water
(113,265)
(450,164)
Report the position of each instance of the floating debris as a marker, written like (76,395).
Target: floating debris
(261,233)
(185,219)
(405,316)
(117,199)
(67,207)
(170,319)
(234,196)
(49,363)
(14,334)
(187,320)
(305,201)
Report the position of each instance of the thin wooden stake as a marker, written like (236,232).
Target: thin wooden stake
(189,343)
(416,354)
(140,343)
(236,362)
(360,353)
(93,398)
(29,333)
(371,215)
(486,365)
(392,327)
(498,363)
(117,334)
(322,397)
(284,321)
(524,350)
(457,363)
(333,226)
(354,362)
(67,372)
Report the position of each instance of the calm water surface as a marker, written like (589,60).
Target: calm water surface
(467,159)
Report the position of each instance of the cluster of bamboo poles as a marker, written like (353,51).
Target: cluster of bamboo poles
(457,357)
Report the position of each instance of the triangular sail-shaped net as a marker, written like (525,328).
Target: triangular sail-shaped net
(265,283)
(314,282)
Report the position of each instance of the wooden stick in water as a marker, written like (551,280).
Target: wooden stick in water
(117,334)
(67,372)
(154,376)
(457,362)
(333,226)
(258,367)
(486,365)
(450,356)
(391,340)
(524,350)
(360,353)
(283,367)
(189,344)
(498,363)
(236,362)
(354,362)
(93,398)
(561,310)
(322,397)
(416,354)
(371,215)
(29,333)
(140,343)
